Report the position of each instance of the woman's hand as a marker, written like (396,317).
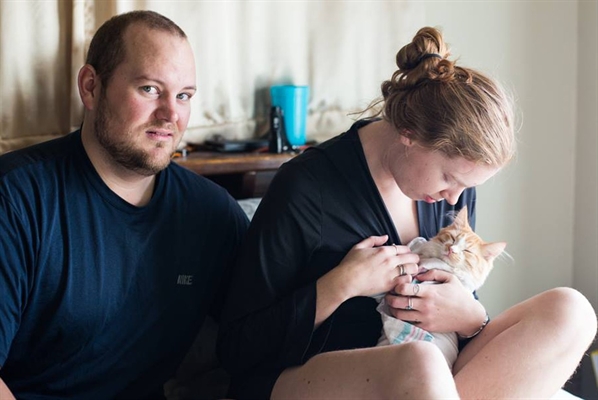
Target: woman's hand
(443,307)
(368,269)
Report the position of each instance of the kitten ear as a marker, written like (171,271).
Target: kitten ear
(461,218)
(493,250)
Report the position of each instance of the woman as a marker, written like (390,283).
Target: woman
(298,321)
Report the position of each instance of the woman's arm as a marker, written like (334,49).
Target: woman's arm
(269,312)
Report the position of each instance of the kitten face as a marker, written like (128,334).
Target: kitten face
(468,256)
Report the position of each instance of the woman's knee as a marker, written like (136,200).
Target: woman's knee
(571,310)
(421,356)
(426,368)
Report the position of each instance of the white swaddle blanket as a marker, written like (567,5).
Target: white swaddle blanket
(396,331)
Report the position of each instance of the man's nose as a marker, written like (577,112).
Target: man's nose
(167,110)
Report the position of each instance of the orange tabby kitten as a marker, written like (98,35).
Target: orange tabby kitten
(456,249)
(459,250)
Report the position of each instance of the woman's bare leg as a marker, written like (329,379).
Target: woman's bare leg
(530,350)
(414,370)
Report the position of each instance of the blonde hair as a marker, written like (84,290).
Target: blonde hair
(443,107)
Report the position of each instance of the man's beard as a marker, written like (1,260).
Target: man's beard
(123,153)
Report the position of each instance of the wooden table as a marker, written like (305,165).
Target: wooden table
(244,175)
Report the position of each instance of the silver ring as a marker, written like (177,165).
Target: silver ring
(409,304)
(396,249)
(401,269)
(416,289)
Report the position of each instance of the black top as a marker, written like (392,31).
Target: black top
(319,205)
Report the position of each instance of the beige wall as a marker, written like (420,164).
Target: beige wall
(585,245)
(545,203)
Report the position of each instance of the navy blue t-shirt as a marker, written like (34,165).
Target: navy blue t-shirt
(99,298)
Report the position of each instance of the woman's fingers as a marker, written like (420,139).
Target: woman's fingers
(394,256)
(372,241)
(409,268)
(436,275)
(406,297)
(404,303)
(406,261)
(411,288)
(399,249)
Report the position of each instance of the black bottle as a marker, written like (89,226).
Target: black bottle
(276,139)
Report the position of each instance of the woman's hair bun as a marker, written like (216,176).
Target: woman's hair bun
(426,44)
(423,60)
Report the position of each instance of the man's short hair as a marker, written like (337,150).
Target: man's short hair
(107,48)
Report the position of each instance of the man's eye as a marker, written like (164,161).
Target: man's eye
(184,96)
(149,89)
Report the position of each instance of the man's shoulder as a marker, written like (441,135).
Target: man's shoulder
(37,154)
(192,187)
(190,180)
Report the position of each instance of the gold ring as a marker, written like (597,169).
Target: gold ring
(401,269)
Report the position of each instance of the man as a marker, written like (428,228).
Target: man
(111,256)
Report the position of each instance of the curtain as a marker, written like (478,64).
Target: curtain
(342,49)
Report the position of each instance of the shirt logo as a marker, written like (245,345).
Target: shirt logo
(185,280)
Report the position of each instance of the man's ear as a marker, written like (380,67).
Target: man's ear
(89,86)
